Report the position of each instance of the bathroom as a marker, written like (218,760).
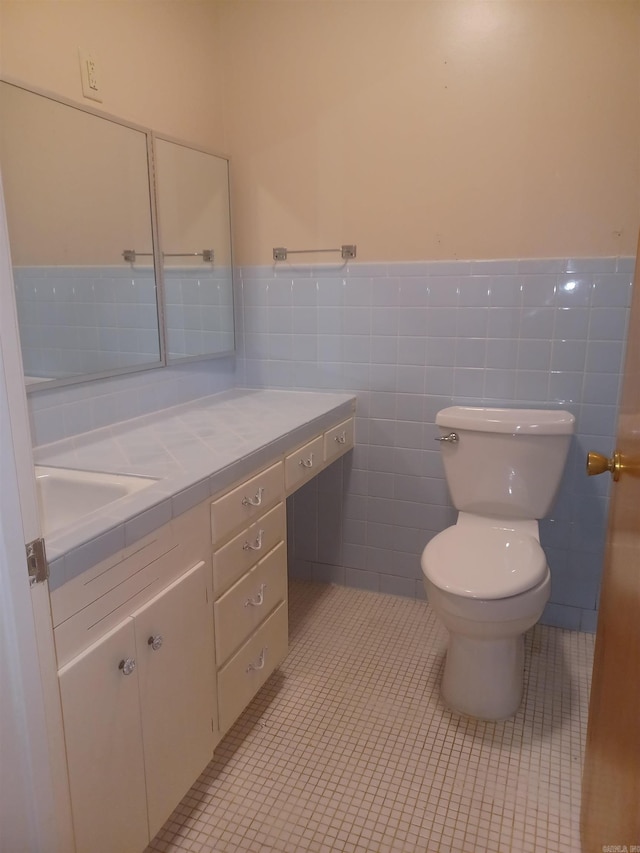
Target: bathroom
(491,147)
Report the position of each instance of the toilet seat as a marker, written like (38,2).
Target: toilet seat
(484,562)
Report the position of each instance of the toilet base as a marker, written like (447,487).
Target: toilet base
(484,678)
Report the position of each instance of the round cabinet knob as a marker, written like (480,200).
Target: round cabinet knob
(155,642)
(127,666)
(598,464)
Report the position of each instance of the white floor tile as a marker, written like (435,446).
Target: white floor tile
(348,747)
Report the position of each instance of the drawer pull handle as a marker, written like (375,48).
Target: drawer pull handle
(258,600)
(253,667)
(342,438)
(306,463)
(257,545)
(155,642)
(255,501)
(127,666)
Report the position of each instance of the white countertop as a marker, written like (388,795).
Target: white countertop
(194,450)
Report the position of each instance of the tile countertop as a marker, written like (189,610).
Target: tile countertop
(194,450)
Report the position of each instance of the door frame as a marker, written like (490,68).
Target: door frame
(35,809)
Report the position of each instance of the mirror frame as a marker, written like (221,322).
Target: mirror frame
(150,136)
(164,350)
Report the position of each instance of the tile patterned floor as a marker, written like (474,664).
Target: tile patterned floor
(348,747)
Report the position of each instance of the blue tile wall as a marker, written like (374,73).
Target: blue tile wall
(198,310)
(89,319)
(62,412)
(409,339)
(85,319)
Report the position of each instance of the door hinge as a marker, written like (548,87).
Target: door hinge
(37,565)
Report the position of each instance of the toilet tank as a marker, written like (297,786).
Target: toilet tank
(506,462)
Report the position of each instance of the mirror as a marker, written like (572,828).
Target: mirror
(81,211)
(192,190)
(76,189)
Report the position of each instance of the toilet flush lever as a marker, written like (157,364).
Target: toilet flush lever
(451,438)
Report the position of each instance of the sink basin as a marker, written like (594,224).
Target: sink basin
(65,494)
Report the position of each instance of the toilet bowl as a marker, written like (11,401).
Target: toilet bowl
(486,577)
(488,585)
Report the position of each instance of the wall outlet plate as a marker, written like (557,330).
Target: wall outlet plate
(89,75)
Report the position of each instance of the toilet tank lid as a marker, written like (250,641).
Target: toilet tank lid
(533,421)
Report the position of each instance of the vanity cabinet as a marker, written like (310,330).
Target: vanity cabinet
(162,646)
(309,459)
(136,654)
(250,589)
(139,717)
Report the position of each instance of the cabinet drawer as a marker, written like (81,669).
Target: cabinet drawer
(304,463)
(338,440)
(110,574)
(241,610)
(246,502)
(95,601)
(234,559)
(249,668)
(88,625)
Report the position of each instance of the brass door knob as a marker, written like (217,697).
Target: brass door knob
(598,464)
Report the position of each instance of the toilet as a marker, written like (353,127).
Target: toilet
(486,576)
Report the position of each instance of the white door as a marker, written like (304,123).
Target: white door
(34,802)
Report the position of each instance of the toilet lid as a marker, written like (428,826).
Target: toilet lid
(484,563)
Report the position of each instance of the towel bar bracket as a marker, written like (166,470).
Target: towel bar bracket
(347,250)
(130,255)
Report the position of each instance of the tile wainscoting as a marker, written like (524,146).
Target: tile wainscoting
(409,339)
(57,413)
(86,319)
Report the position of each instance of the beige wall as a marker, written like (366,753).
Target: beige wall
(193,201)
(423,130)
(159,61)
(417,130)
(76,187)
(158,66)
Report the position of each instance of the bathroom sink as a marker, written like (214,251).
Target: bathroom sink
(66,494)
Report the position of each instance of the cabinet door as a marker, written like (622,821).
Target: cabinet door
(174,640)
(104,746)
